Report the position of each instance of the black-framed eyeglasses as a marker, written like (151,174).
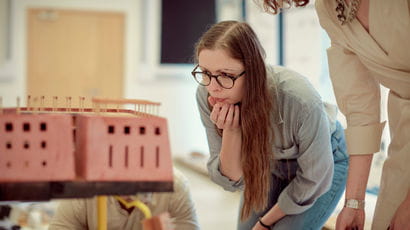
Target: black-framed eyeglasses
(226,81)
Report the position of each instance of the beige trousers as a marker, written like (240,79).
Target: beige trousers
(395,179)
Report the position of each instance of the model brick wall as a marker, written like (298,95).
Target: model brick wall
(86,145)
(123,148)
(36,147)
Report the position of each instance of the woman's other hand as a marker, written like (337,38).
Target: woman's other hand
(350,219)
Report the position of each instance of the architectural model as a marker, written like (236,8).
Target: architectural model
(103,143)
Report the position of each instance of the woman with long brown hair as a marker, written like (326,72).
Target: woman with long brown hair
(369,48)
(269,133)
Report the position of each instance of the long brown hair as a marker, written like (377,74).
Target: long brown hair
(273,6)
(241,43)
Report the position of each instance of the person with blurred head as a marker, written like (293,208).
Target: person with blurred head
(81,214)
(370,47)
(269,133)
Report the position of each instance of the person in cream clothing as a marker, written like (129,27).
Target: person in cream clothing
(373,49)
(370,46)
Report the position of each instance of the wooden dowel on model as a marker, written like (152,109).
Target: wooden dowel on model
(42,98)
(18,106)
(83,103)
(68,103)
(55,100)
(82,99)
(35,105)
(96,108)
(123,101)
(141,107)
(28,103)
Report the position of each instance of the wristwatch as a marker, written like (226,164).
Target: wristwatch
(355,204)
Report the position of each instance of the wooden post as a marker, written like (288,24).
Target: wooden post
(18,106)
(102,212)
(68,103)
(42,103)
(55,98)
(28,103)
(35,105)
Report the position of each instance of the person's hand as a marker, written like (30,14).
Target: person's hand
(400,220)
(350,219)
(225,116)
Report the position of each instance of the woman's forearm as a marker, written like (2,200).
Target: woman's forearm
(358,175)
(230,155)
(273,215)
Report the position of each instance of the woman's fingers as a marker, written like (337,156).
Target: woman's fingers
(236,116)
(230,116)
(215,113)
(225,115)
(222,116)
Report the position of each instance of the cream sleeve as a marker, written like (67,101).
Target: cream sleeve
(358,97)
(357,92)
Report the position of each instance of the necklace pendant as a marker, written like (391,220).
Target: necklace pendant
(352,9)
(340,8)
(341,18)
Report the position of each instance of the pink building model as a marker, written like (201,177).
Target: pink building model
(102,143)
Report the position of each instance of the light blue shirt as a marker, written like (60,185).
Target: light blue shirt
(302,126)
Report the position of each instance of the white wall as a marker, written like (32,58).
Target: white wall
(266,28)
(169,84)
(143,77)
(3,29)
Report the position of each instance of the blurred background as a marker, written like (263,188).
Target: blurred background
(144,49)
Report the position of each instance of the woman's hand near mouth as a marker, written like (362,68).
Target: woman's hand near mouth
(225,116)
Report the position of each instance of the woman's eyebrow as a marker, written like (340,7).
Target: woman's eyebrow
(230,70)
(219,70)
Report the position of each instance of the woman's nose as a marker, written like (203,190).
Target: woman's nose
(214,85)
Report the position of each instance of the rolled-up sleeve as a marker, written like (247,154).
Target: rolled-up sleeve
(315,172)
(357,92)
(358,97)
(214,143)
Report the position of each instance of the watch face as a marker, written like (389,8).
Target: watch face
(356,204)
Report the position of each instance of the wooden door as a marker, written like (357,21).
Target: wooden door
(74,53)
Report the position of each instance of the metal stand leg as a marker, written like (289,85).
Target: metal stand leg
(102,212)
